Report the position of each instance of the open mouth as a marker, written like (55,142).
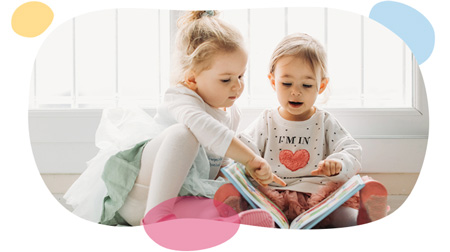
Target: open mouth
(295,104)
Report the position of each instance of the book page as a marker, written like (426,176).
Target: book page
(235,174)
(317,213)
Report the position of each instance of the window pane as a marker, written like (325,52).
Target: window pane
(95,50)
(344,58)
(384,76)
(54,66)
(138,54)
(239,19)
(307,20)
(164,51)
(267,28)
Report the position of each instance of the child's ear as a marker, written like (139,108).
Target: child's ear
(323,85)
(189,79)
(272,80)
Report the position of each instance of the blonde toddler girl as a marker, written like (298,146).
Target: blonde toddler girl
(305,145)
(199,119)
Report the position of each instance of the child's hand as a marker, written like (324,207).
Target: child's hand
(328,168)
(260,170)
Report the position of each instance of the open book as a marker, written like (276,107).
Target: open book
(235,174)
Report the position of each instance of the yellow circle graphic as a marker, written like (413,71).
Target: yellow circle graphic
(31,19)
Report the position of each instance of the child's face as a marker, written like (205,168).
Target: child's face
(297,88)
(221,84)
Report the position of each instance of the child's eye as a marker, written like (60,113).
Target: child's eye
(286,83)
(307,85)
(227,80)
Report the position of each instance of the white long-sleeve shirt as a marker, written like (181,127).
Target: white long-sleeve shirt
(294,148)
(213,128)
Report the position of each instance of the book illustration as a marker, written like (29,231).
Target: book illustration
(236,175)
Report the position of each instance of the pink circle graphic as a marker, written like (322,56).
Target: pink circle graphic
(191,223)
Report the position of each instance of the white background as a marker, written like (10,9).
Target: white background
(33,219)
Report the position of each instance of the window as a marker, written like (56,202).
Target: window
(369,66)
(120,57)
(104,59)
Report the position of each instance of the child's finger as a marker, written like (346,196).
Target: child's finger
(278,180)
(257,178)
(260,182)
(263,174)
(337,169)
(332,169)
(327,169)
(274,178)
(316,172)
(321,165)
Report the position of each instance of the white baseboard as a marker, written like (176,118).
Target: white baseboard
(379,156)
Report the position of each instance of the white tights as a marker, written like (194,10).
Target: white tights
(165,163)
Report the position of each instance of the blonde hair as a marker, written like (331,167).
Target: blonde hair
(200,37)
(303,46)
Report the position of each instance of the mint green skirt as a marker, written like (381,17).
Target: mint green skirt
(122,169)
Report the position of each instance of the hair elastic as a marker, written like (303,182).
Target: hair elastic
(208,13)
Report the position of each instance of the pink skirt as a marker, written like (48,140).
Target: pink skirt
(295,203)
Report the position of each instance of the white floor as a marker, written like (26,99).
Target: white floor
(59,198)
(398,185)
(394,201)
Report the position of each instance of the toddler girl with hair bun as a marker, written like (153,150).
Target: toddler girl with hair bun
(199,120)
(305,145)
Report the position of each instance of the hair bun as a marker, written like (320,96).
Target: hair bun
(191,16)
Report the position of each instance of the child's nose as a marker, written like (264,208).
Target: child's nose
(296,91)
(237,85)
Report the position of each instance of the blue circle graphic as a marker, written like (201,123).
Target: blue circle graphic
(409,24)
